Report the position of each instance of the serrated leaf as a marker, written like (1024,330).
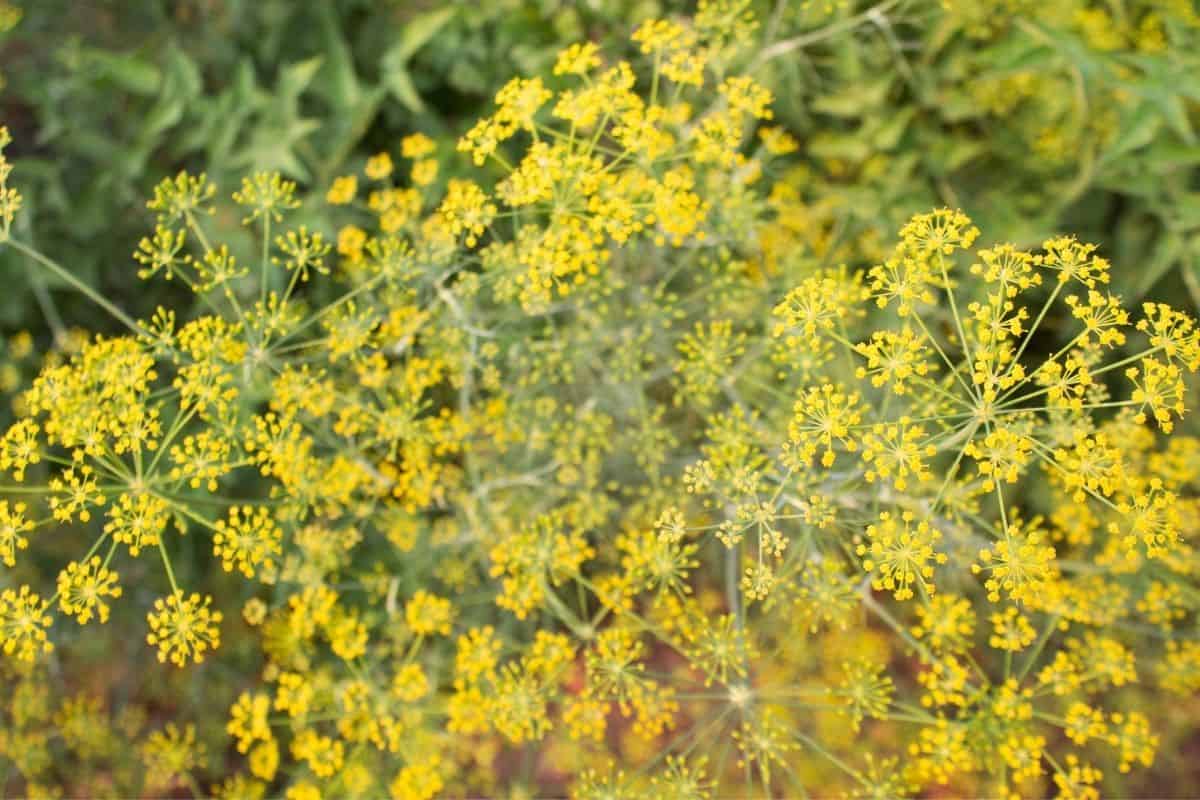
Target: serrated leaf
(165,113)
(1184,212)
(272,148)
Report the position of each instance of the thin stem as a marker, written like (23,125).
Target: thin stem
(786,46)
(79,286)
(162,548)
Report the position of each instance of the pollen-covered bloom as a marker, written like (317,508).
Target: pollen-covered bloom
(900,550)
(182,628)
(83,587)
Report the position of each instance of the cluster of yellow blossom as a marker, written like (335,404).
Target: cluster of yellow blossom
(572,468)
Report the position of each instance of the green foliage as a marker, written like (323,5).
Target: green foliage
(107,99)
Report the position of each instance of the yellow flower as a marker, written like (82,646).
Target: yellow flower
(248,720)
(267,195)
(902,553)
(342,190)
(182,628)
(13,526)
(427,614)
(410,683)
(577,59)
(378,167)
(1011,630)
(137,519)
(82,587)
(171,754)
(248,539)
(23,624)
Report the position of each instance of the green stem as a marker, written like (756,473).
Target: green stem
(162,548)
(65,274)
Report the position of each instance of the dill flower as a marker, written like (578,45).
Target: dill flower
(1020,563)
(866,690)
(893,358)
(248,720)
(410,683)
(902,553)
(1133,739)
(378,167)
(1084,722)
(303,251)
(1011,630)
(161,253)
(562,367)
(248,539)
(83,587)
(417,781)
(137,519)
(180,197)
(13,527)
(171,754)
(323,755)
(23,624)
(577,59)
(267,195)
(940,753)
(19,448)
(764,741)
(182,628)
(822,416)
(946,622)
(427,614)
(342,190)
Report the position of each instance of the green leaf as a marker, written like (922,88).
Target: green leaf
(295,78)
(400,84)
(955,153)
(127,71)
(848,147)
(1166,254)
(887,135)
(1177,118)
(393,66)
(342,88)
(180,87)
(1137,130)
(853,101)
(1163,156)
(1186,208)
(416,34)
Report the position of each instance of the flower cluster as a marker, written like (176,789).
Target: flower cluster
(575,461)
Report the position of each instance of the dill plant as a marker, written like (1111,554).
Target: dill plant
(585,467)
